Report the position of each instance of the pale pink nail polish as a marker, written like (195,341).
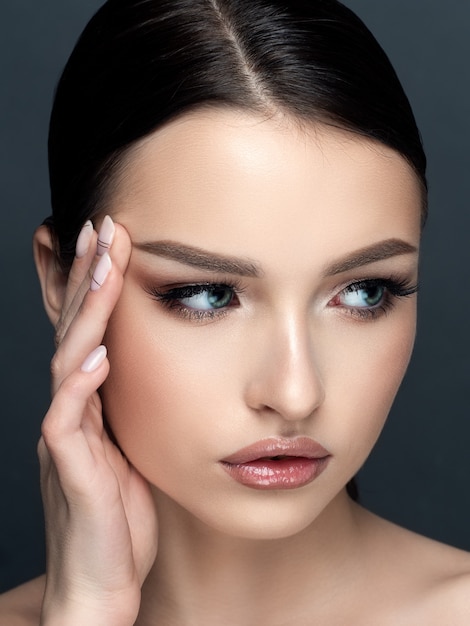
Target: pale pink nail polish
(105,236)
(94,360)
(84,239)
(101,271)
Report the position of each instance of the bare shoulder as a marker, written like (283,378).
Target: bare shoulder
(22,606)
(428,580)
(447,592)
(452,599)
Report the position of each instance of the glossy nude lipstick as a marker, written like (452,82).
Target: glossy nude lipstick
(277,463)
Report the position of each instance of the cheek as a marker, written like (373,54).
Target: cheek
(391,357)
(163,393)
(367,379)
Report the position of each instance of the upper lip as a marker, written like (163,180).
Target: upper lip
(277,446)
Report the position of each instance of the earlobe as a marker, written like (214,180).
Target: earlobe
(52,279)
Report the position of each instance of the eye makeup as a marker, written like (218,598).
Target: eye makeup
(369,299)
(199,301)
(365,299)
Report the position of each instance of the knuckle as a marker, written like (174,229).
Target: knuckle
(70,389)
(49,433)
(54,423)
(52,434)
(56,366)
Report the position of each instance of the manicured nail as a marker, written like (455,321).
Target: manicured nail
(105,236)
(94,360)
(84,239)
(101,271)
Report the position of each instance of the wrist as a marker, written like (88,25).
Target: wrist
(85,613)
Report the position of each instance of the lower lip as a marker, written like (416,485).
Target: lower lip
(288,473)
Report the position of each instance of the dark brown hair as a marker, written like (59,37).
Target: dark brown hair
(140,63)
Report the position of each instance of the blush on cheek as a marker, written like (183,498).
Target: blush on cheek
(391,370)
(369,388)
(150,397)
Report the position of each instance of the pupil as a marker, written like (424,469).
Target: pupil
(220,297)
(374,295)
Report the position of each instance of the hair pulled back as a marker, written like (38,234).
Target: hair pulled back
(140,63)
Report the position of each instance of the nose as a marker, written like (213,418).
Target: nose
(286,377)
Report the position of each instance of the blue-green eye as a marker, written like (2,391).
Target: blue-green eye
(371,298)
(207,298)
(363,295)
(199,301)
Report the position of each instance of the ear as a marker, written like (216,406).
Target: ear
(53,280)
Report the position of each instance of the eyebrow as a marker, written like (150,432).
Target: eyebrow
(370,254)
(222,264)
(202,259)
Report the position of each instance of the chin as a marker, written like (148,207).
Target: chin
(263,517)
(268,530)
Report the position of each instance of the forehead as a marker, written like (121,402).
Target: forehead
(226,179)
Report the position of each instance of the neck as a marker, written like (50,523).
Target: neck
(201,576)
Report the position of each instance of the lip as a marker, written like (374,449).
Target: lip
(277,463)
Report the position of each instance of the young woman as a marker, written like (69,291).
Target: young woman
(238,193)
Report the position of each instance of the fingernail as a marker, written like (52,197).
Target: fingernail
(101,271)
(84,239)
(105,236)
(94,360)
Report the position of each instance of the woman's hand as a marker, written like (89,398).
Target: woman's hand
(101,523)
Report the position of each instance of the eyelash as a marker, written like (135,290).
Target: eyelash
(394,288)
(171,299)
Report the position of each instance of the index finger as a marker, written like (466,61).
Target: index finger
(90,246)
(85,322)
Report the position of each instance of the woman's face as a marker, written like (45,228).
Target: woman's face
(269,298)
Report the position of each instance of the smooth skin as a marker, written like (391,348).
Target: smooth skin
(295,351)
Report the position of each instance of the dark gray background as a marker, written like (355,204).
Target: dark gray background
(419,475)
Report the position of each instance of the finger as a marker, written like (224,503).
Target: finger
(90,246)
(88,325)
(121,247)
(84,257)
(63,437)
